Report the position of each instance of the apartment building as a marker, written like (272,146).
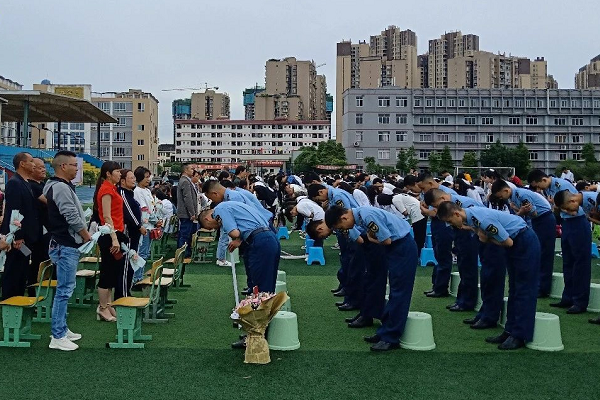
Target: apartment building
(210,105)
(249,101)
(553,123)
(133,140)
(448,46)
(588,76)
(244,142)
(8,130)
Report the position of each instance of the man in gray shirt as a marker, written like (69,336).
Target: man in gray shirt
(187,208)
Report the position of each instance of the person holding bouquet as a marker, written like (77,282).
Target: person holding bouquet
(144,197)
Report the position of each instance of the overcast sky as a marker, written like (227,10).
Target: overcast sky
(152,45)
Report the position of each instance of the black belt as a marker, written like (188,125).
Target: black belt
(256,232)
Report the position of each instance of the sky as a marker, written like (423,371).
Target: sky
(153,45)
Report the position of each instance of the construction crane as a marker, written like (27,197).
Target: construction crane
(320,65)
(206,87)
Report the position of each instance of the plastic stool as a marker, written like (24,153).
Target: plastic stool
(479,301)
(546,333)
(427,257)
(282,233)
(287,306)
(595,251)
(283,331)
(454,283)
(558,285)
(504,312)
(281,276)
(280,287)
(418,332)
(594,303)
(428,230)
(428,242)
(315,254)
(308,242)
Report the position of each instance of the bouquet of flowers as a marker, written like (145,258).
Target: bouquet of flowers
(254,314)
(15,224)
(134,258)
(87,214)
(89,246)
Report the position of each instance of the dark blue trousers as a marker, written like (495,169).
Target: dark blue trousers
(262,255)
(467,244)
(342,242)
(492,277)
(441,236)
(400,259)
(354,274)
(374,281)
(523,263)
(577,260)
(186,230)
(544,227)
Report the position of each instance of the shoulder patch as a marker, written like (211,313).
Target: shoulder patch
(591,201)
(557,184)
(475,221)
(218,218)
(492,229)
(458,202)
(339,203)
(372,226)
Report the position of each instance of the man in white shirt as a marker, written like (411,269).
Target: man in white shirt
(447,177)
(568,175)
(411,207)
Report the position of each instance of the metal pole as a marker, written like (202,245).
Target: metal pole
(25,121)
(58,133)
(98,143)
(18,134)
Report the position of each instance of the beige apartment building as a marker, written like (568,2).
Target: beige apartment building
(448,46)
(210,105)
(588,76)
(8,130)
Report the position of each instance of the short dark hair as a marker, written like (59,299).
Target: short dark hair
(333,215)
(377,180)
(446,209)
(209,185)
(432,195)
(580,186)
(226,183)
(561,197)
(140,173)
(536,176)
(310,177)
(424,176)
(361,177)
(384,199)
(313,190)
(288,207)
(410,180)
(498,185)
(65,153)
(311,229)
(22,156)
(223,175)
(239,169)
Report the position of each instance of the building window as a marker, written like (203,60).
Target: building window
(553,103)
(586,104)
(401,102)
(531,121)
(104,106)
(489,138)
(443,137)
(461,102)
(564,103)
(514,120)
(121,121)
(140,127)
(359,136)
(451,102)
(474,103)
(596,103)
(470,138)
(518,103)
(470,121)
(560,121)
(400,136)
(425,137)
(531,138)
(577,138)
(401,119)
(514,138)
(417,102)
(574,103)
(359,119)
(141,107)
(577,121)
(496,103)
(118,152)
(442,120)
(359,154)
(484,102)
(383,136)
(440,102)
(425,120)
(120,107)
(428,102)
(104,151)
(383,118)
(383,154)
(424,154)
(487,120)
(528,103)
(140,157)
(560,139)
(384,101)
(562,156)
(104,136)
(577,156)
(507,103)
(140,142)
(533,155)
(359,101)
(540,103)
(119,137)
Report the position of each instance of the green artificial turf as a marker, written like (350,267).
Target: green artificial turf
(190,357)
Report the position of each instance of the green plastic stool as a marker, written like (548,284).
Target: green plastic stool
(479,300)
(558,285)
(287,306)
(503,313)
(280,286)
(283,332)
(418,332)
(594,303)
(129,329)
(454,283)
(281,276)
(546,333)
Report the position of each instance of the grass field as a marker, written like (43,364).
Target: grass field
(190,357)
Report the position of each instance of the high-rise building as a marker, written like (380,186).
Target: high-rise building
(133,140)
(8,130)
(588,76)
(210,105)
(249,96)
(448,46)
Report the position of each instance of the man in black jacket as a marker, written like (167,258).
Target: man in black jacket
(19,196)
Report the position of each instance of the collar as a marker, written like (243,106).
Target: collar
(57,179)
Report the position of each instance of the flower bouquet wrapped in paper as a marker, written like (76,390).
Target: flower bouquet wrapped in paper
(134,258)
(87,214)
(89,246)
(254,314)
(15,224)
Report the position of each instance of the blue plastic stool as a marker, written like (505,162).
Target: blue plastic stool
(283,233)
(428,242)
(315,254)
(595,251)
(412,233)
(427,257)
(428,231)
(308,243)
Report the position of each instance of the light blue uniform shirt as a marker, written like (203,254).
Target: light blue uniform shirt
(539,205)
(344,199)
(240,216)
(447,190)
(464,201)
(381,223)
(248,198)
(495,224)
(556,185)
(589,202)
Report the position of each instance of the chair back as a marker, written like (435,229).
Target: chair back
(155,277)
(178,262)
(44,275)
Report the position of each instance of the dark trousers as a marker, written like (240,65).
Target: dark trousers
(299,221)
(467,244)
(14,278)
(262,256)
(341,274)
(577,260)
(39,254)
(544,227)
(400,259)
(114,273)
(441,236)
(420,232)
(354,274)
(374,281)
(186,230)
(523,280)
(492,281)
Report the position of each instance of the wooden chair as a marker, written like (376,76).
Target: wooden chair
(178,264)
(43,307)
(85,280)
(155,313)
(17,311)
(130,313)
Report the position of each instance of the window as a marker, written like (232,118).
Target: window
(586,103)
(442,120)
(78,126)
(560,121)
(440,102)
(359,119)
(401,102)
(119,137)
(359,101)
(461,102)
(531,121)
(577,121)
(484,102)
(401,119)
(487,120)
(470,137)
(383,154)
(451,102)
(577,156)
(443,137)
(121,121)
(562,156)
(140,127)
(560,139)
(383,118)
(470,121)
(400,136)
(540,103)
(383,136)
(104,106)
(120,107)
(384,101)
(519,103)
(577,138)
(514,138)
(104,136)
(533,155)
(118,152)
(574,103)
(358,136)
(531,138)
(553,103)
(104,151)
(489,138)
(417,102)
(496,103)
(425,137)
(596,103)
(359,154)
(564,103)
(474,103)
(514,120)
(425,120)
(140,142)
(140,157)
(428,102)
(507,103)
(528,103)
(141,107)
(424,154)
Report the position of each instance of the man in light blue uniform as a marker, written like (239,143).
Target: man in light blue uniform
(399,258)
(467,245)
(527,203)
(522,250)
(575,244)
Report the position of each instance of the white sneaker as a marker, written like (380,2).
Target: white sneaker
(63,344)
(72,336)
(223,263)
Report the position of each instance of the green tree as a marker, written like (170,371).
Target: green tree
(590,168)
(89,178)
(434,162)
(371,166)
(470,160)
(326,153)
(306,160)
(402,164)
(159,169)
(496,156)
(446,162)
(519,159)
(411,160)
(570,164)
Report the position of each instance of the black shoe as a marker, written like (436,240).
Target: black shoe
(361,322)
(470,321)
(449,306)
(347,307)
(560,304)
(339,303)
(436,295)
(384,346)
(512,343)
(336,290)
(340,293)
(372,339)
(576,310)
(542,295)
(595,321)
(428,291)
(483,325)
(246,292)
(243,337)
(498,339)
(240,344)
(349,320)
(457,308)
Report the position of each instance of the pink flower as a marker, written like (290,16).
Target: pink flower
(17,223)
